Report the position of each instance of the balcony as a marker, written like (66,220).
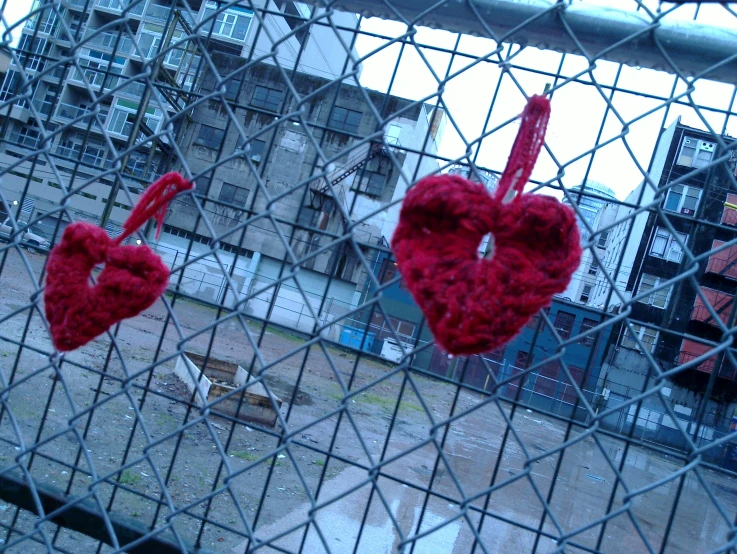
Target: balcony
(723,262)
(157,12)
(95,78)
(108,42)
(691,350)
(720,301)
(69,112)
(77,4)
(118,6)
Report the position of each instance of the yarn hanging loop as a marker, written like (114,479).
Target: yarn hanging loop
(153,203)
(527,145)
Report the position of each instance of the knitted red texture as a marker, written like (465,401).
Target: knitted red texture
(132,279)
(474,304)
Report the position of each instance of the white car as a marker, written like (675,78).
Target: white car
(33,241)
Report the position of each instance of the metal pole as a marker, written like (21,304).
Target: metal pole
(693,47)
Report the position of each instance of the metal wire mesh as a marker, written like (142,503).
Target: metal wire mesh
(285,394)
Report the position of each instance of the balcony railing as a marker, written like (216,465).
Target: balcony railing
(77,3)
(119,5)
(108,42)
(69,112)
(155,11)
(700,313)
(95,78)
(24,140)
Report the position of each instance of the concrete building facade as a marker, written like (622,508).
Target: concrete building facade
(278,176)
(86,138)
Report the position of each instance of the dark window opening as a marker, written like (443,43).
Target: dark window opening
(564,324)
(585,326)
(267,98)
(232,194)
(344,119)
(210,137)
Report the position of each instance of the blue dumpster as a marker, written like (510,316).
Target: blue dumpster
(350,336)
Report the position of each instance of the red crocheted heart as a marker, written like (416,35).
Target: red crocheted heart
(132,279)
(473,304)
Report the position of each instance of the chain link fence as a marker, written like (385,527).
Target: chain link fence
(285,394)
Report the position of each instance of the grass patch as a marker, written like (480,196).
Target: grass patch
(129,477)
(387,403)
(247,456)
(320,462)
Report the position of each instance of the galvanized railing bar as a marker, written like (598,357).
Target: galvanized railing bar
(696,47)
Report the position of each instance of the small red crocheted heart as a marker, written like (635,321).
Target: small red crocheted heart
(132,279)
(473,304)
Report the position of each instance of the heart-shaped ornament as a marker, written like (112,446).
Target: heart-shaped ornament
(474,304)
(132,279)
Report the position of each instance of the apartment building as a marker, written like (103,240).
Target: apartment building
(218,105)
(82,114)
(676,322)
(590,199)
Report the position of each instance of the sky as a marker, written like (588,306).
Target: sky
(577,109)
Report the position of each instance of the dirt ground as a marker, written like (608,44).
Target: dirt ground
(182,446)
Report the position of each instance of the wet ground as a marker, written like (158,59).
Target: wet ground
(99,401)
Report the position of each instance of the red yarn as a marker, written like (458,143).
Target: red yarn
(474,305)
(132,279)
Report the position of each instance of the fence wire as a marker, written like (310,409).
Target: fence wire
(285,394)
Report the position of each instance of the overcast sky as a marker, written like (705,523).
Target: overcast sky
(578,109)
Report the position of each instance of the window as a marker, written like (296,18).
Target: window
(388,271)
(124,115)
(523,360)
(695,152)
(29,137)
(28,46)
(94,153)
(564,324)
(585,293)
(11,85)
(379,325)
(48,23)
(372,183)
(267,98)
(232,88)
(594,267)
(659,298)
(682,199)
(665,245)
(231,23)
(121,122)
(646,335)
(345,120)
(210,137)
(232,194)
(587,324)
(601,243)
(201,184)
(257,150)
